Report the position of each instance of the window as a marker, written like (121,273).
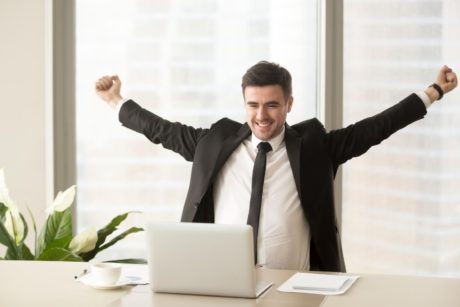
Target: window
(184,61)
(401,211)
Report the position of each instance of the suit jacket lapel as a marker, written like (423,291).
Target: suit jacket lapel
(229,146)
(293,144)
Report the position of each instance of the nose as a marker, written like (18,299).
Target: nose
(261,113)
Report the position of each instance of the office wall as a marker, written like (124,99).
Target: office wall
(24,112)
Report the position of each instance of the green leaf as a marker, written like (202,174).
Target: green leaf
(57,232)
(26,254)
(5,238)
(20,252)
(58,254)
(3,209)
(121,236)
(26,228)
(107,230)
(90,255)
(110,228)
(12,254)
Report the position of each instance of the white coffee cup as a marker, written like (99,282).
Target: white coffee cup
(106,273)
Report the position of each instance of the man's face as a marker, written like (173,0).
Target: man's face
(266,110)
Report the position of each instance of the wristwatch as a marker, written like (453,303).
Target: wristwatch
(438,89)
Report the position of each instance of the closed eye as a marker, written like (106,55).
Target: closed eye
(252,104)
(274,104)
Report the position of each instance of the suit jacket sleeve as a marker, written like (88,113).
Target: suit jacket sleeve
(354,140)
(175,136)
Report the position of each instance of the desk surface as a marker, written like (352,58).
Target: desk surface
(33,283)
(143,296)
(40,284)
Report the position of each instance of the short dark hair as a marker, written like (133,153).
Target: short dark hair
(268,73)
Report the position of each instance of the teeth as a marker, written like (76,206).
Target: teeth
(263,124)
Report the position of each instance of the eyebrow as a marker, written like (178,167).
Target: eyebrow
(268,102)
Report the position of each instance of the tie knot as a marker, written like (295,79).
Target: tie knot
(264,146)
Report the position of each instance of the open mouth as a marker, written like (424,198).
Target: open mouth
(263,124)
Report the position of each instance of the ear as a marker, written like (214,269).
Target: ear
(289,102)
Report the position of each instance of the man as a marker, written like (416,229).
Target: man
(291,205)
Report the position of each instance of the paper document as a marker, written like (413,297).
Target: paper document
(324,284)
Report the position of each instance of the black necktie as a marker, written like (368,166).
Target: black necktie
(258,175)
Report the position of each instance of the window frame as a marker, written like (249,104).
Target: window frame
(63,74)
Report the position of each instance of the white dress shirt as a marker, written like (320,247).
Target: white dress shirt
(284,236)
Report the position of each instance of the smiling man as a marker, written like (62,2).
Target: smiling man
(266,110)
(275,177)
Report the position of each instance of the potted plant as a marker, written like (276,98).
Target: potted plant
(55,240)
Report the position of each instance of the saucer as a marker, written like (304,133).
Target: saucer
(88,280)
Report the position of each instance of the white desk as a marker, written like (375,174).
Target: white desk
(33,283)
(49,284)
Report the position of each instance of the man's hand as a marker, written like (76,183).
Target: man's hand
(446,79)
(108,88)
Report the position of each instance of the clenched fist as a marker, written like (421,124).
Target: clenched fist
(108,88)
(447,81)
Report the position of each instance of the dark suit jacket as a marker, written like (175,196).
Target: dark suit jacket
(314,155)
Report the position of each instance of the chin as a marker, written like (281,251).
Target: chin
(264,136)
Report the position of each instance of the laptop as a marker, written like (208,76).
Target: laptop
(203,259)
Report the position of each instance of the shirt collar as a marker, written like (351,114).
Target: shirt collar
(274,142)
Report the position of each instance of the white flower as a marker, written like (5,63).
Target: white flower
(62,201)
(13,222)
(4,194)
(84,241)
